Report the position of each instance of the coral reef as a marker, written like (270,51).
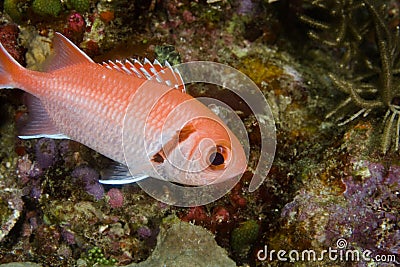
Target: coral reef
(11,206)
(144,232)
(365,215)
(20,264)
(178,244)
(167,53)
(326,182)
(373,203)
(38,48)
(75,28)
(344,26)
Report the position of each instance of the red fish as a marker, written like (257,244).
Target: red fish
(131,113)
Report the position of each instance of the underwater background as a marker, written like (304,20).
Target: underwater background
(330,70)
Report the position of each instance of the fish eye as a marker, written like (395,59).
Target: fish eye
(217,159)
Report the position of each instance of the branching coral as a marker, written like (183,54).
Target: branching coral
(378,88)
(339,28)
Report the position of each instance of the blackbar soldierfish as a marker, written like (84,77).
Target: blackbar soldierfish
(79,99)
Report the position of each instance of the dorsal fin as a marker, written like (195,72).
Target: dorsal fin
(65,53)
(151,71)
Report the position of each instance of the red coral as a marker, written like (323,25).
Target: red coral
(220,215)
(198,215)
(223,219)
(9,39)
(236,198)
(76,22)
(188,16)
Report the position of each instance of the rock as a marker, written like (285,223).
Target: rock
(184,244)
(38,47)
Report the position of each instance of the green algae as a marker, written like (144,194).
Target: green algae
(75,213)
(211,13)
(5,211)
(96,257)
(167,53)
(79,5)
(15,9)
(243,237)
(46,8)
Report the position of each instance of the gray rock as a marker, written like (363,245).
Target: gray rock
(184,244)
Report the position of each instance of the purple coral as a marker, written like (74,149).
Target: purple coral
(366,215)
(64,147)
(36,189)
(372,211)
(89,178)
(144,232)
(116,198)
(46,152)
(76,22)
(27,169)
(246,7)
(68,236)
(75,27)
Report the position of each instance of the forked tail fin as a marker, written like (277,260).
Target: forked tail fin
(8,68)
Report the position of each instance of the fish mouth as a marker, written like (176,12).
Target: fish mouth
(239,157)
(238,166)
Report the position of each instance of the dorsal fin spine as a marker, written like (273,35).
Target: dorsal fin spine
(151,71)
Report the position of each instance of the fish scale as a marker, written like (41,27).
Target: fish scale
(135,114)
